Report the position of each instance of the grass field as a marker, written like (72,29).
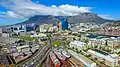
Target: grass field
(57,43)
(26,38)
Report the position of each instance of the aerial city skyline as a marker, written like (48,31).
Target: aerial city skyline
(59,33)
(27,8)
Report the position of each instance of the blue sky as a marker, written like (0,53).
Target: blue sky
(14,11)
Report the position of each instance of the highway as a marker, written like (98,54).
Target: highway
(34,57)
(28,59)
(43,57)
(39,58)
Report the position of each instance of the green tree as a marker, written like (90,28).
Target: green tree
(73,48)
(0,48)
(76,50)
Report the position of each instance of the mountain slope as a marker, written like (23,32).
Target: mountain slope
(81,18)
(87,18)
(40,19)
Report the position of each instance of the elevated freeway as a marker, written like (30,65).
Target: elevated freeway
(34,57)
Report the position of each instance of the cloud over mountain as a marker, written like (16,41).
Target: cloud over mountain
(27,8)
(21,10)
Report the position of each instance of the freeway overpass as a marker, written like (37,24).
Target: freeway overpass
(33,57)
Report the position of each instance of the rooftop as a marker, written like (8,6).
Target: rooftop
(78,43)
(99,51)
(108,57)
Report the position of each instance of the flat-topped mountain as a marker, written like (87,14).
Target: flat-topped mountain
(81,18)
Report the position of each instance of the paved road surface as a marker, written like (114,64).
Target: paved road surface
(33,57)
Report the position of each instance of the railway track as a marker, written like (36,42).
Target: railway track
(72,63)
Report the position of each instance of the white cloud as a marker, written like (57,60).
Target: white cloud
(74,9)
(27,8)
(10,17)
(10,14)
(107,17)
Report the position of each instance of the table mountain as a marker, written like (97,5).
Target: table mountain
(81,18)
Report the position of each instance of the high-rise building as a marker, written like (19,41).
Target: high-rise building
(59,24)
(64,24)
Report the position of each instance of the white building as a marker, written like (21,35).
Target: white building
(5,34)
(39,35)
(72,38)
(97,42)
(22,33)
(46,28)
(22,47)
(86,62)
(114,42)
(82,27)
(77,44)
(110,59)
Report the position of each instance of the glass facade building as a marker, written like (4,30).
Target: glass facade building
(64,24)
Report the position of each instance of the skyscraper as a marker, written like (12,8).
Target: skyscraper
(64,24)
(59,24)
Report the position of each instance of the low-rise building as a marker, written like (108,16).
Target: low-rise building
(17,54)
(28,53)
(39,35)
(77,45)
(87,62)
(72,38)
(21,47)
(5,34)
(114,43)
(82,27)
(83,38)
(97,42)
(33,50)
(25,49)
(22,33)
(6,30)
(109,59)
(4,59)
(46,28)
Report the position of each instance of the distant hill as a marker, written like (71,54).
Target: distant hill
(81,18)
